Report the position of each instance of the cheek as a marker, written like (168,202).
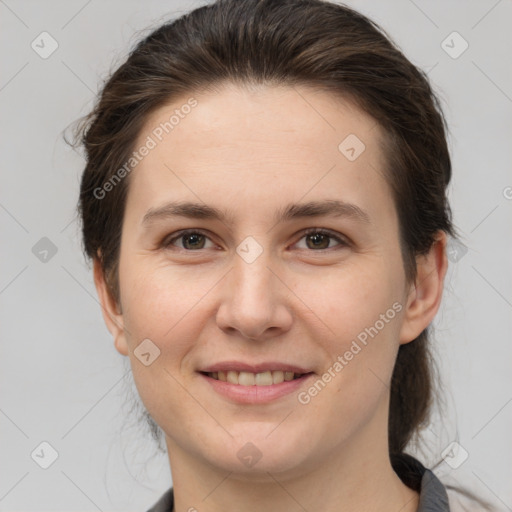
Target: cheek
(353,301)
(162,302)
(166,308)
(363,315)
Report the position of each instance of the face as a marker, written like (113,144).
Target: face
(246,282)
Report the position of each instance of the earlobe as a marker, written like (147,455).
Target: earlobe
(426,292)
(112,315)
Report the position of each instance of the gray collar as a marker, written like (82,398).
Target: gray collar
(433,497)
(414,474)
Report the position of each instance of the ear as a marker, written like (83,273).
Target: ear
(426,292)
(111,312)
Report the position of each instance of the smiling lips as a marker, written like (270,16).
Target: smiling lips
(253,379)
(254,375)
(260,384)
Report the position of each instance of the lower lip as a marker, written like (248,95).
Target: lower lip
(256,394)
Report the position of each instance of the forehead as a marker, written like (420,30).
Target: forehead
(267,144)
(261,114)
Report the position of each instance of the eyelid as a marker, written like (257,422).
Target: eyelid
(342,241)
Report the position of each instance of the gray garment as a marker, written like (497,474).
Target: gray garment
(414,474)
(433,497)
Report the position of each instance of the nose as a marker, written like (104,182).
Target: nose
(255,301)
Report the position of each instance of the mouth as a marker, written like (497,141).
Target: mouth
(265,378)
(250,384)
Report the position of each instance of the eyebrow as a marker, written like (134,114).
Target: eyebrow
(328,207)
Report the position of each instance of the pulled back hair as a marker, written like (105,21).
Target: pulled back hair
(314,43)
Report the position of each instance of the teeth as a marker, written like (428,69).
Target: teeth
(232,377)
(277,377)
(263,379)
(253,379)
(248,379)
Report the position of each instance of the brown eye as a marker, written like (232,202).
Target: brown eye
(193,241)
(319,239)
(190,240)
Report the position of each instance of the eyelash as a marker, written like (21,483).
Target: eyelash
(320,231)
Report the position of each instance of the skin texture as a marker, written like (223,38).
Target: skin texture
(251,151)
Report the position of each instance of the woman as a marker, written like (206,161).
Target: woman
(265,205)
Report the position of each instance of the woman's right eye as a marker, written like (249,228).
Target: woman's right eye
(191,240)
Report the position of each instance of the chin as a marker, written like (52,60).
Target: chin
(252,457)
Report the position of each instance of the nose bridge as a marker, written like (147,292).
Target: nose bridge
(253,301)
(252,283)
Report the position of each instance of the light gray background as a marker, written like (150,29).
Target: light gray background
(60,376)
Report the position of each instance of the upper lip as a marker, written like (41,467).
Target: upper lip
(239,366)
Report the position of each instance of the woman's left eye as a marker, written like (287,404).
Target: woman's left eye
(316,239)
(321,238)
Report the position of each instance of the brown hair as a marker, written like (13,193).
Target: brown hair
(284,42)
